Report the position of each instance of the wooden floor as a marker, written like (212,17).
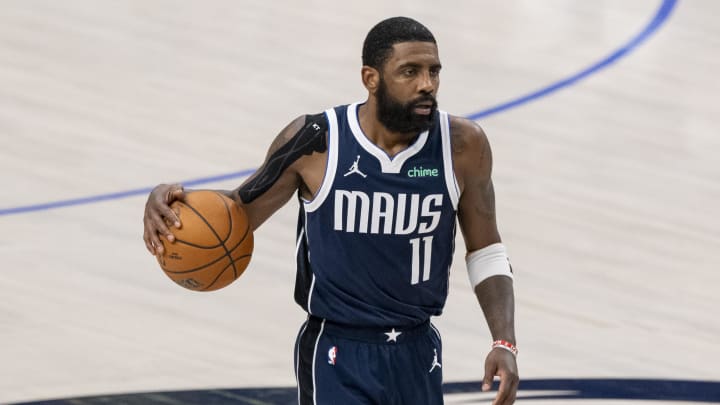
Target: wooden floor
(608,189)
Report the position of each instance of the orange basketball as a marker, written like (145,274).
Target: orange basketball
(214,245)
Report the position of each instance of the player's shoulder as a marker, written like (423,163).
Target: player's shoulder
(307,125)
(467,136)
(316,122)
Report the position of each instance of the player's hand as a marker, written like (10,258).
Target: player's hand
(502,363)
(159,216)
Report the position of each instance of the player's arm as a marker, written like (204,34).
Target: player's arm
(263,193)
(275,182)
(488,267)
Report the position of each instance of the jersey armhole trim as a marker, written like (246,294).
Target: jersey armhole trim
(448,166)
(331,165)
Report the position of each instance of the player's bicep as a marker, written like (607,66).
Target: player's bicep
(476,214)
(274,183)
(476,208)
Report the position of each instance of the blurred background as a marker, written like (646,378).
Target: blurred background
(607,184)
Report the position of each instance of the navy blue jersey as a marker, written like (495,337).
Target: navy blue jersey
(375,245)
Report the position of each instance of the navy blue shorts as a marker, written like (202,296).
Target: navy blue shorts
(336,364)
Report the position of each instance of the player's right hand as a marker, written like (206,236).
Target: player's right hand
(159,216)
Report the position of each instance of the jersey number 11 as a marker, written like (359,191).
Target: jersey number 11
(426,249)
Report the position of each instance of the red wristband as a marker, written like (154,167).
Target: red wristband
(504,344)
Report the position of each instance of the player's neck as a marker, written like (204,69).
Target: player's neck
(389,141)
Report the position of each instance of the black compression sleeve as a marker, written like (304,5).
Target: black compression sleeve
(309,139)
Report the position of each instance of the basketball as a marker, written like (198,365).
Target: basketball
(214,245)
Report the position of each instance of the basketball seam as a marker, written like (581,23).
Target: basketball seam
(223,271)
(227,209)
(232,249)
(222,243)
(229,214)
(184,242)
(247,230)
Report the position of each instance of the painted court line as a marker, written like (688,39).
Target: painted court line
(661,16)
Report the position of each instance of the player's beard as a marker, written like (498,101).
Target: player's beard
(400,117)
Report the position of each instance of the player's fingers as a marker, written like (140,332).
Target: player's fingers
(152,241)
(502,394)
(158,226)
(175,193)
(170,216)
(148,243)
(507,390)
(489,374)
(513,397)
(156,244)
(515,384)
(159,209)
(160,200)
(147,234)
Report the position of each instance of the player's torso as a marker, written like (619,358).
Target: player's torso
(375,244)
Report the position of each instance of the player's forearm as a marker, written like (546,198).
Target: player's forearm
(497,299)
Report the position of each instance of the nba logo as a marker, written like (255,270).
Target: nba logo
(332,355)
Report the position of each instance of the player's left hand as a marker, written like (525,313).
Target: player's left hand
(502,363)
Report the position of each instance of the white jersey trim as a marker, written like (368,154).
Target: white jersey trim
(299,240)
(297,359)
(388,164)
(331,168)
(437,332)
(312,284)
(450,179)
(317,341)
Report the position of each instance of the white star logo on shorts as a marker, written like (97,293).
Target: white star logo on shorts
(392,335)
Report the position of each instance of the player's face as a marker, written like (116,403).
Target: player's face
(408,84)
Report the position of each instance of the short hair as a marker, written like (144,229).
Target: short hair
(381,38)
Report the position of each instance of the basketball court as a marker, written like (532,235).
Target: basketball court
(603,118)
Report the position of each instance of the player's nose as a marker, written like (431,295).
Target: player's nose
(426,83)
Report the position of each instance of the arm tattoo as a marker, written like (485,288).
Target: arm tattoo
(309,139)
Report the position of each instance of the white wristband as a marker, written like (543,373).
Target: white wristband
(489,261)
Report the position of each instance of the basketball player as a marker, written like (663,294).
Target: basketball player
(380,185)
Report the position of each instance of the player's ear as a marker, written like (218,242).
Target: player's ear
(370,78)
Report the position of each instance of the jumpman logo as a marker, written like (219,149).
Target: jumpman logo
(354,168)
(435,362)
